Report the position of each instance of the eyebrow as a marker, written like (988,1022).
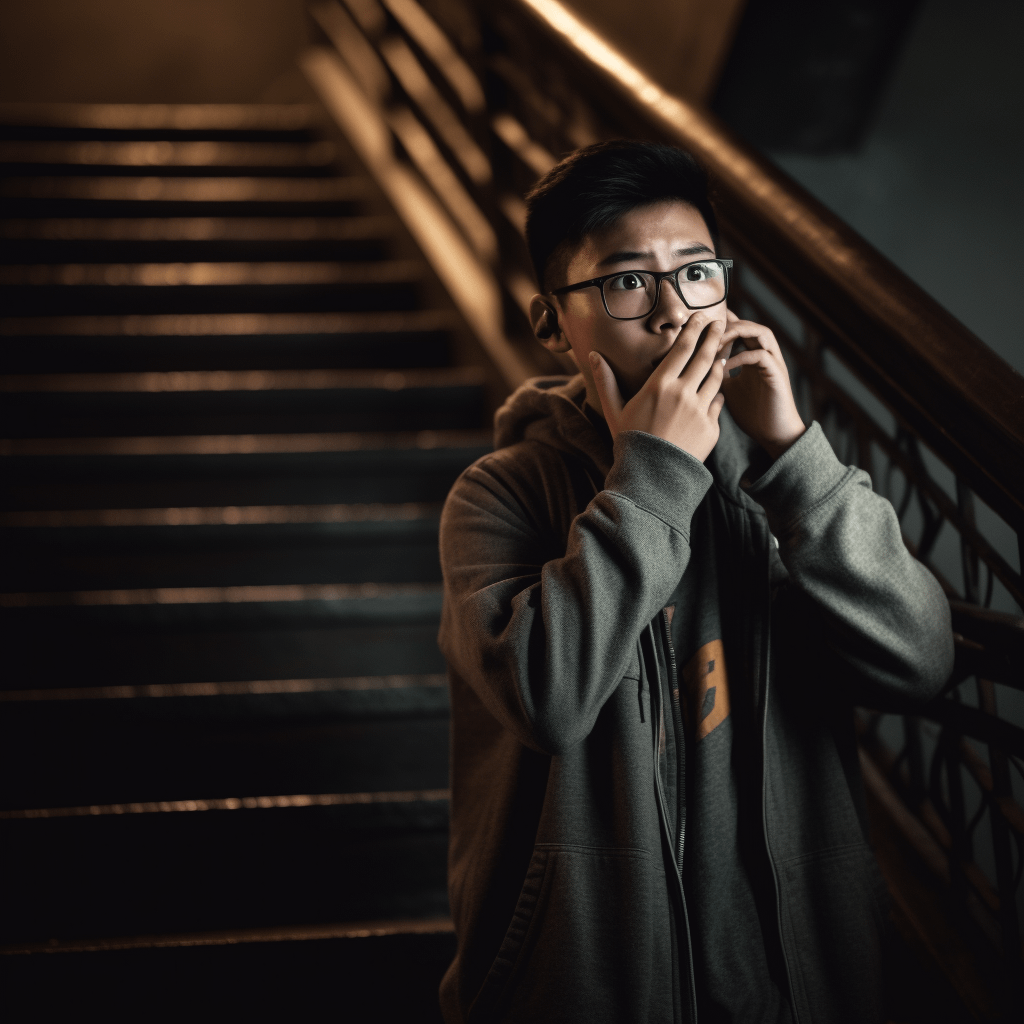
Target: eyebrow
(630,255)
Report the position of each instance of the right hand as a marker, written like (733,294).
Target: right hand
(673,404)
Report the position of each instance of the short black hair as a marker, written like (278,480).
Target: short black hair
(594,186)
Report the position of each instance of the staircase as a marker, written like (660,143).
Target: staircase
(231,413)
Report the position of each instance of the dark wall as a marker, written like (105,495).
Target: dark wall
(806,75)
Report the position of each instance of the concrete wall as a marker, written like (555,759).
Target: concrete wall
(148,51)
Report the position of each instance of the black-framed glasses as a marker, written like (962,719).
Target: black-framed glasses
(632,294)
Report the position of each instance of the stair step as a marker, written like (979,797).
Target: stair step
(178,275)
(283,973)
(407,340)
(23,157)
(186,251)
(184,748)
(398,349)
(383,552)
(197,229)
(154,196)
(85,288)
(304,693)
(46,524)
(194,239)
(174,635)
(139,548)
(239,401)
(98,473)
(242,862)
(245,444)
(167,121)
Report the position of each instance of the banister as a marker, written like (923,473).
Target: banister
(963,399)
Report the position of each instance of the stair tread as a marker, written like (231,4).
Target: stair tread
(224,515)
(247,594)
(247,444)
(284,972)
(198,275)
(216,869)
(232,688)
(181,643)
(207,804)
(157,189)
(163,116)
(245,323)
(244,380)
(353,475)
(385,552)
(198,229)
(242,936)
(115,154)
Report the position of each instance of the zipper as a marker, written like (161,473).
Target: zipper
(677,721)
(664,819)
(767,647)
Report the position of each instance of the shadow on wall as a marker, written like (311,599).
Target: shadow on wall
(150,51)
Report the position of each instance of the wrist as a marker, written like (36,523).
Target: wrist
(776,446)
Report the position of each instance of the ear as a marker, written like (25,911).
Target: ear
(544,321)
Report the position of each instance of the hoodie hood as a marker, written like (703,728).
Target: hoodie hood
(549,410)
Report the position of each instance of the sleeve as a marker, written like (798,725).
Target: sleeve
(859,591)
(544,641)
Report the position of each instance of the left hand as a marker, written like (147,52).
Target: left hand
(760,398)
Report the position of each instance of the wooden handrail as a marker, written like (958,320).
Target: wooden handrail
(951,389)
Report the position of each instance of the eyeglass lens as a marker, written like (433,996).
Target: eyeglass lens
(635,293)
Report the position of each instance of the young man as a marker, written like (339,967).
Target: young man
(663,594)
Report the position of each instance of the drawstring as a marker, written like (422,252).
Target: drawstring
(653,688)
(657,671)
(640,681)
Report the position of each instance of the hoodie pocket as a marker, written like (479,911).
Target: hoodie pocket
(832,922)
(582,944)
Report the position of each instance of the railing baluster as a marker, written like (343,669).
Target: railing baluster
(960,853)
(968,554)
(915,759)
(1002,788)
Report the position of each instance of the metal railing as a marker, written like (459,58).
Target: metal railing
(458,106)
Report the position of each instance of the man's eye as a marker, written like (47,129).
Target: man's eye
(626,282)
(701,271)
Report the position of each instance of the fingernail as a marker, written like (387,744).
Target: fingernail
(723,362)
(593,359)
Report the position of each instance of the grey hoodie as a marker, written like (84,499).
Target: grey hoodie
(559,551)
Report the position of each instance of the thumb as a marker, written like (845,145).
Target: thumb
(607,391)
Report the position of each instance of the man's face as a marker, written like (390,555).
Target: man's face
(662,236)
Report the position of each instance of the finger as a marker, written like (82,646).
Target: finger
(675,361)
(745,331)
(730,316)
(751,357)
(607,390)
(703,359)
(715,409)
(712,382)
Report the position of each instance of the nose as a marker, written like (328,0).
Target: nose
(670,312)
